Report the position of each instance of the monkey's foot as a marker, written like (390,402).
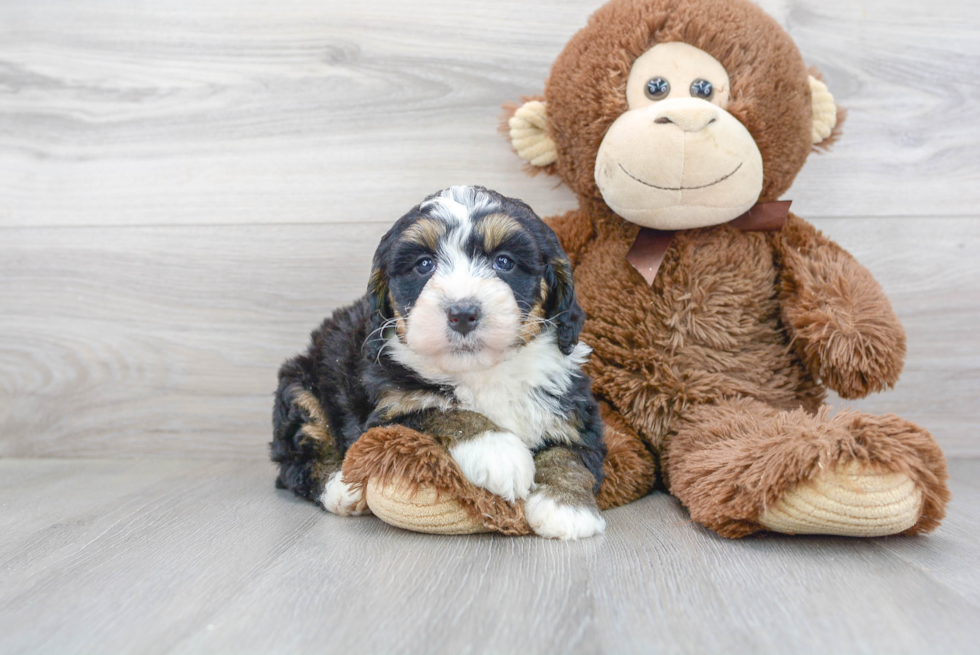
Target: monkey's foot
(850,501)
(423,511)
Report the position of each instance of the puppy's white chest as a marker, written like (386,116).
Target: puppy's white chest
(513,407)
(521,395)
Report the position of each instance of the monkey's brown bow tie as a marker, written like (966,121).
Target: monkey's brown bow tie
(650,247)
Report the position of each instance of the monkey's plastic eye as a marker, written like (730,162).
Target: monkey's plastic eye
(503,263)
(425,266)
(657,88)
(702,89)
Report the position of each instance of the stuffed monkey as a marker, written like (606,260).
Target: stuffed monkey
(717,319)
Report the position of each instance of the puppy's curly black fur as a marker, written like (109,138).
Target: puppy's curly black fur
(360,370)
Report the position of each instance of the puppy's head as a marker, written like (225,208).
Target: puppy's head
(469,276)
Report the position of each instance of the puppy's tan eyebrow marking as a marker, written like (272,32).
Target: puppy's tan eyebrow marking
(495,228)
(425,232)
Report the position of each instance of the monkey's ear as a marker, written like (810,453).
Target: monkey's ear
(826,116)
(527,127)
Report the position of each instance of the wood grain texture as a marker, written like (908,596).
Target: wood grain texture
(198,557)
(120,113)
(166,341)
(125,342)
(249,157)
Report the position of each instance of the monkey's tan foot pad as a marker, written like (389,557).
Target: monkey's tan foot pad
(423,511)
(850,501)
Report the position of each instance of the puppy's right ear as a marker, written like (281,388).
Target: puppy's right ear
(379,294)
(530,134)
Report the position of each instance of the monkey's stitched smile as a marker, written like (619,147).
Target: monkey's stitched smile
(682,188)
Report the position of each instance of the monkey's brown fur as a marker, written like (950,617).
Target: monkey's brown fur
(721,366)
(718,371)
(413,459)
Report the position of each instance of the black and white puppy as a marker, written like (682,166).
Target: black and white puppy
(469,332)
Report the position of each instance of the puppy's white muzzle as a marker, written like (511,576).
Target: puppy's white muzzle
(464,321)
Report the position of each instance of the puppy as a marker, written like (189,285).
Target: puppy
(469,333)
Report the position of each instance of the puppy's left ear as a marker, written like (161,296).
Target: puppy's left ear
(562,307)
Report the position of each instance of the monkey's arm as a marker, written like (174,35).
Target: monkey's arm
(574,231)
(838,316)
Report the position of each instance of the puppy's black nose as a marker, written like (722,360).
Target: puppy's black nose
(463,317)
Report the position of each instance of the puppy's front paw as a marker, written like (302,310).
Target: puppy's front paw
(498,462)
(338,497)
(549,518)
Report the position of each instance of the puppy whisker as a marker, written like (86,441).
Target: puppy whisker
(535,320)
(371,338)
(380,332)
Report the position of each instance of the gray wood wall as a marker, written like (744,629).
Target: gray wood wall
(187,188)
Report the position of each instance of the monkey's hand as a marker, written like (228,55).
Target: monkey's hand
(839,317)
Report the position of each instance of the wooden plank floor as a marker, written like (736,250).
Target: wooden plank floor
(206,557)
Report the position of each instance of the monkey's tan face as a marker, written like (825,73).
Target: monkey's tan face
(677,159)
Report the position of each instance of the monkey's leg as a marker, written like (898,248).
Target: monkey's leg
(308,457)
(563,503)
(490,458)
(410,479)
(741,466)
(629,470)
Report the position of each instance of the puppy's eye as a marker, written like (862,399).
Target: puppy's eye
(503,263)
(657,88)
(702,89)
(425,266)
